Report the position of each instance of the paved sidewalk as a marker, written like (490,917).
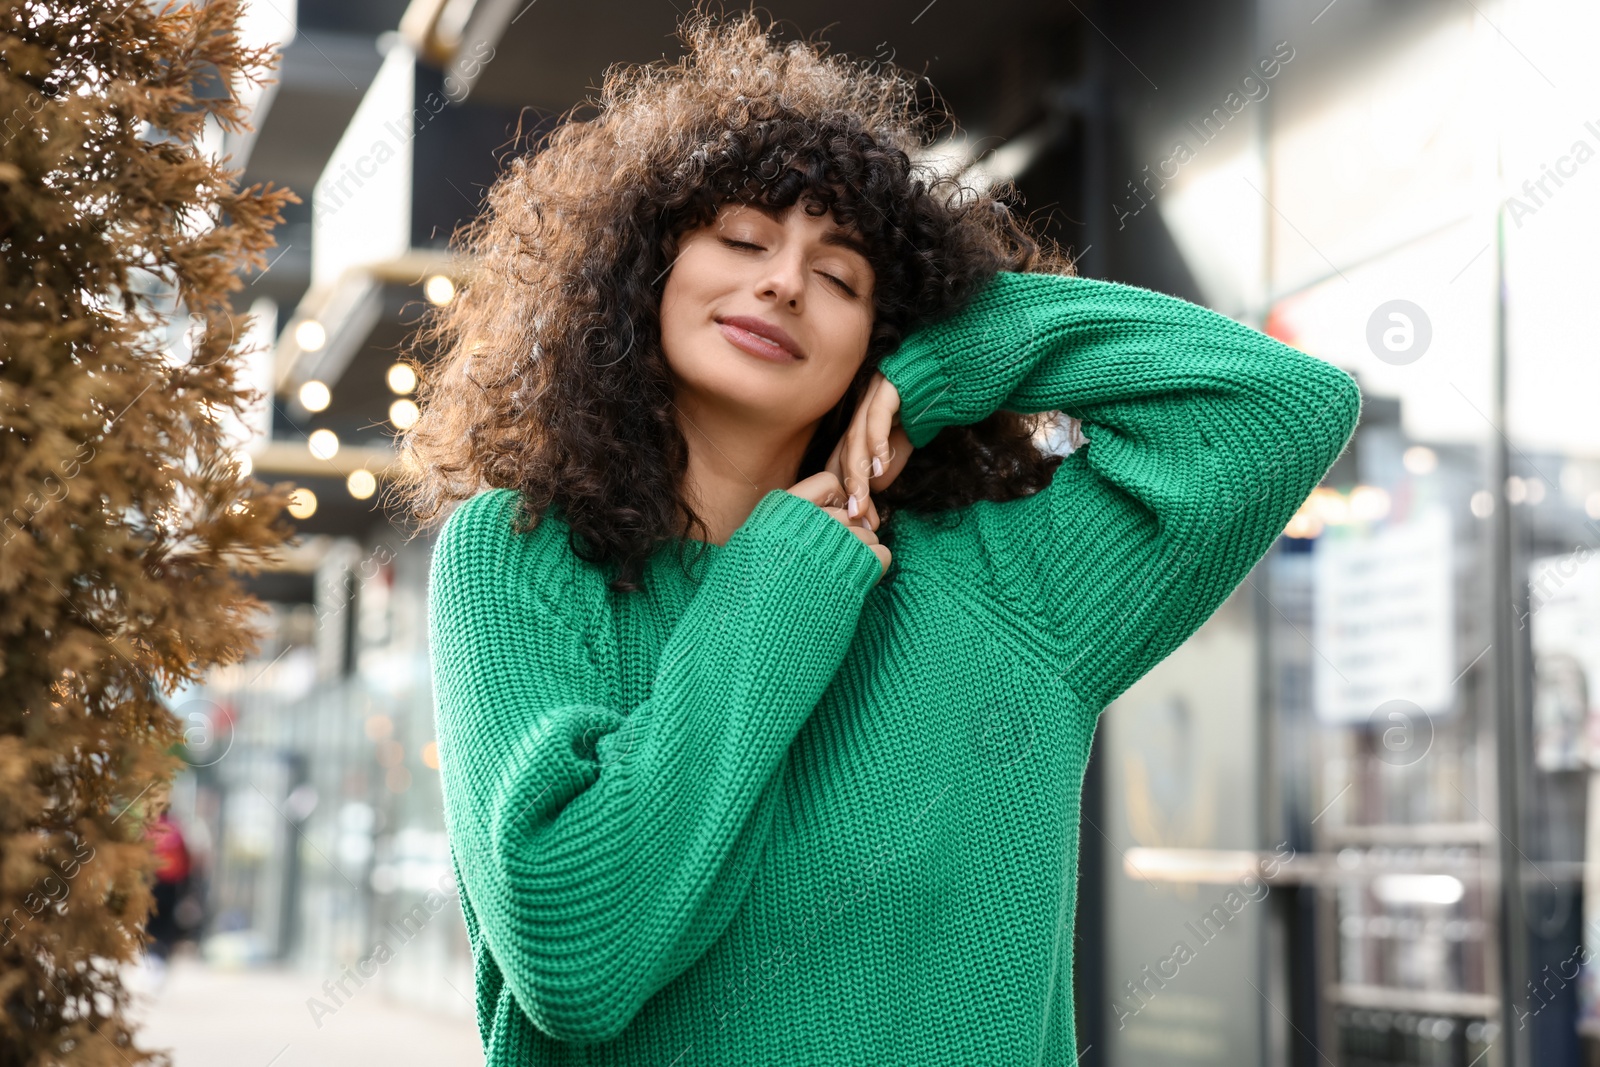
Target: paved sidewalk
(210,1017)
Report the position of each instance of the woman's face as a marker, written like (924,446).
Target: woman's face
(794,272)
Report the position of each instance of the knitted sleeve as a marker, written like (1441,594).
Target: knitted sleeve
(1204,437)
(601,849)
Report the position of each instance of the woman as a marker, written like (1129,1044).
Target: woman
(804,788)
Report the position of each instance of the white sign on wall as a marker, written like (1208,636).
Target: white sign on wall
(1563,614)
(361,205)
(1384,620)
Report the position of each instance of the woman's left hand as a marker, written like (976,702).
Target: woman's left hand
(873,449)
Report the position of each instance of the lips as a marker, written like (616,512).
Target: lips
(760,338)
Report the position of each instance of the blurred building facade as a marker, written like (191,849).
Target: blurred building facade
(1347,822)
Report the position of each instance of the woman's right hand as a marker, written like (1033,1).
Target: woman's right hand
(826,491)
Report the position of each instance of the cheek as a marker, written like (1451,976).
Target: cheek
(677,317)
(671,324)
(846,349)
(847,341)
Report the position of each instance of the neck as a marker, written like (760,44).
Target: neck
(734,462)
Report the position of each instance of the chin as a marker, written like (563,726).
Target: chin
(764,399)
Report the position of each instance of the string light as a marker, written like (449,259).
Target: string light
(402,378)
(324,444)
(1420,459)
(315,396)
(439,290)
(404,414)
(310,335)
(303,503)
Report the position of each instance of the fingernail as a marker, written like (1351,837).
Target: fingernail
(850,506)
(877,466)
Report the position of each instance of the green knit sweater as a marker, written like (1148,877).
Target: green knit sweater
(771,811)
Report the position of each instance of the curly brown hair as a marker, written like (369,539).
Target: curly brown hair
(550,377)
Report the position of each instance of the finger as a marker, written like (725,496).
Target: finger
(867,537)
(832,463)
(822,489)
(884,558)
(899,449)
(853,525)
(857,464)
(879,421)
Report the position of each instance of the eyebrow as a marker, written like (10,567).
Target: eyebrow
(844,240)
(837,237)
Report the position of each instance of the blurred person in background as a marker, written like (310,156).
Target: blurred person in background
(768,642)
(172,879)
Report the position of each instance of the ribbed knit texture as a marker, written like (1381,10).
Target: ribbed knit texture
(771,812)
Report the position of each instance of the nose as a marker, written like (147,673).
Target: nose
(783,277)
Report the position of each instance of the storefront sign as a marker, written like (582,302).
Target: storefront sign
(1383,625)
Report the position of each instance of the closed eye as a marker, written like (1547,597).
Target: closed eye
(746,244)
